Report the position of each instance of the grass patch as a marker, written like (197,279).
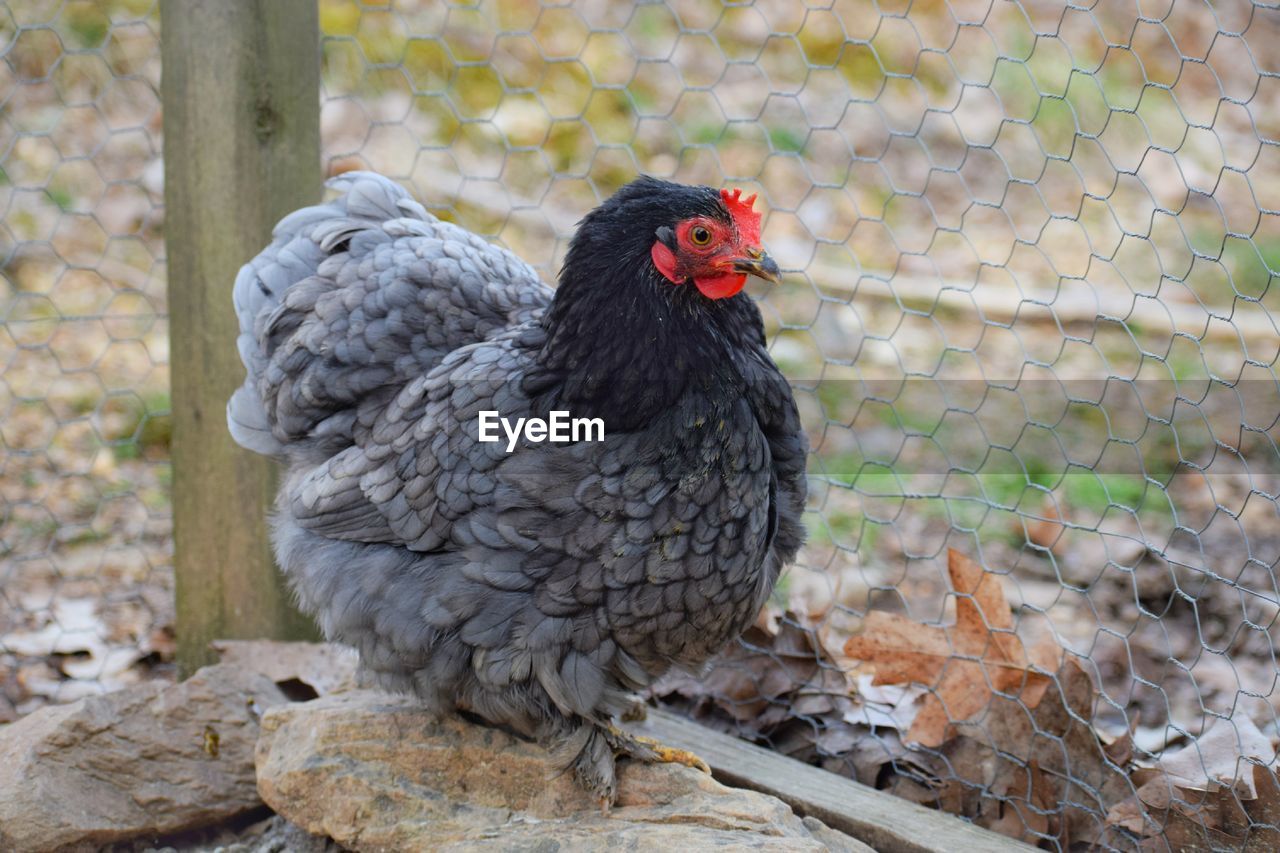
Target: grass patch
(60,197)
(786,139)
(1252,264)
(706,133)
(842,529)
(147,429)
(1099,492)
(87,23)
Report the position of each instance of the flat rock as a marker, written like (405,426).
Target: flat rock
(324,668)
(375,772)
(155,759)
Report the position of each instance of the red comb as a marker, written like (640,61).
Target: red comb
(747,220)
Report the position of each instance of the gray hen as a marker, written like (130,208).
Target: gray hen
(538,589)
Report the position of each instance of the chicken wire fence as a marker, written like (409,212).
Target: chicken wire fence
(85,553)
(1028,314)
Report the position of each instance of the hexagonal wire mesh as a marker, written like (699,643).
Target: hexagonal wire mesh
(85,578)
(1028,315)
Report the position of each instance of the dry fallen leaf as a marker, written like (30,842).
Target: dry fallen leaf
(1120,749)
(1046,531)
(1138,814)
(1200,820)
(965,664)
(891,706)
(71,656)
(1219,756)
(781,687)
(1163,816)
(1264,811)
(1028,803)
(986,759)
(1163,813)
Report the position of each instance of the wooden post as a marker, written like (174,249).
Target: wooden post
(241,96)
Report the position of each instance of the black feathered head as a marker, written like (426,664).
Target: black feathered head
(649,297)
(680,235)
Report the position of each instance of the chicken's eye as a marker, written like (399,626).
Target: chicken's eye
(700,235)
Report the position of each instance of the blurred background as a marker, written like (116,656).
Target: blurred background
(1028,310)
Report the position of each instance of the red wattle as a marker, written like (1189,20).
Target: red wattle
(720,286)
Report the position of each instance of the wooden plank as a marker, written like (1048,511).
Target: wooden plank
(241,97)
(887,823)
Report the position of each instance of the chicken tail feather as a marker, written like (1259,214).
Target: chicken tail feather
(300,242)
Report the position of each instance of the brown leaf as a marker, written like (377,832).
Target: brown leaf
(1167,816)
(1219,755)
(1120,750)
(763,680)
(1026,807)
(1138,813)
(1266,808)
(783,688)
(964,664)
(1047,530)
(990,752)
(1199,820)
(1264,811)
(1194,794)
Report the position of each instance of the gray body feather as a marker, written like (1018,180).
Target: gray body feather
(538,589)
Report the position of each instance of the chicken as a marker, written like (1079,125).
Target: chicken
(538,589)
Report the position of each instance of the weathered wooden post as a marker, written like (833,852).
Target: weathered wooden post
(241,96)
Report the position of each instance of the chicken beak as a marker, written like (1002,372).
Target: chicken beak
(759,264)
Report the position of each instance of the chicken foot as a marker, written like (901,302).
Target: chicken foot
(653,751)
(599,746)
